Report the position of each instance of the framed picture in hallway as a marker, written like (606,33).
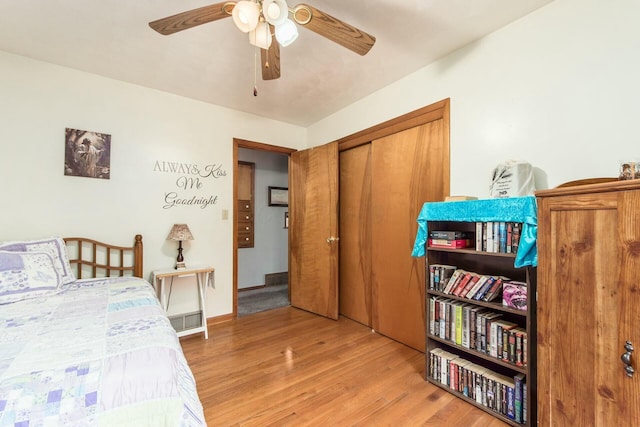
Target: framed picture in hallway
(278,196)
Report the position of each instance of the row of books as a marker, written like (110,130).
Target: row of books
(479,329)
(502,394)
(465,284)
(498,236)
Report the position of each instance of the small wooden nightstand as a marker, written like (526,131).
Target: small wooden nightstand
(203,276)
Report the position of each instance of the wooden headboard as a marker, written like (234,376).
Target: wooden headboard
(97,259)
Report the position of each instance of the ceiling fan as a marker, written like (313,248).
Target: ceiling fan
(263,19)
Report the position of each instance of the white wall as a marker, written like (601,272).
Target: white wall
(559,88)
(271,248)
(39,100)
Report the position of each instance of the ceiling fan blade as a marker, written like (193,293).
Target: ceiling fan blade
(192,18)
(334,29)
(270,60)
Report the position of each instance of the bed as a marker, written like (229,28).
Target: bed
(85,342)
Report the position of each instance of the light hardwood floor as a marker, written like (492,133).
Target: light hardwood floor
(287,367)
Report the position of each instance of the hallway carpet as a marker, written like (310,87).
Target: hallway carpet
(262,299)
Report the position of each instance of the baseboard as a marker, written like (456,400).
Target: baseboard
(251,288)
(276,278)
(219,319)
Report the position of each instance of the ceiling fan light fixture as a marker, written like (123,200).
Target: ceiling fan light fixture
(246,15)
(261,36)
(275,11)
(286,33)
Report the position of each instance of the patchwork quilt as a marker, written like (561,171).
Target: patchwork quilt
(99,352)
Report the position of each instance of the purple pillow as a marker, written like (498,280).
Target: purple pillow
(25,275)
(54,246)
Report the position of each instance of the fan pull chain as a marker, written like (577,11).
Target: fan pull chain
(255,72)
(266,57)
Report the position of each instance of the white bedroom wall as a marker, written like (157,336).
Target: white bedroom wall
(271,248)
(39,100)
(559,88)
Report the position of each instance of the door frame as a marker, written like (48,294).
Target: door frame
(252,145)
(437,110)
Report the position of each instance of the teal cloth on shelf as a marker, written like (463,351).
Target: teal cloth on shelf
(511,209)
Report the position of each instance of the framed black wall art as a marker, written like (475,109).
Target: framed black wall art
(278,196)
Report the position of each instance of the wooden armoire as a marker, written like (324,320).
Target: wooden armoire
(589,305)
(386,174)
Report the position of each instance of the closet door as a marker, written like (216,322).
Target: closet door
(313,230)
(355,234)
(409,168)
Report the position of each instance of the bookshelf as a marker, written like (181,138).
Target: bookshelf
(457,358)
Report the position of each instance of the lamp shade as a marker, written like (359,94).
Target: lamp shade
(261,36)
(286,33)
(246,15)
(275,11)
(180,232)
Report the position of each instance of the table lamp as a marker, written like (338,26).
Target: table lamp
(180,232)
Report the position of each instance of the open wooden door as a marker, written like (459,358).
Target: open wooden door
(313,230)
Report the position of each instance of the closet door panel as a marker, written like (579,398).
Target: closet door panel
(313,230)
(409,168)
(355,234)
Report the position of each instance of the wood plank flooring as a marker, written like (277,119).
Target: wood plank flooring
(287,367)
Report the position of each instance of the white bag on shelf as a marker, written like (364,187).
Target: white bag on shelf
(512,178)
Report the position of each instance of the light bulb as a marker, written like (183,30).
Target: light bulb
(286,33)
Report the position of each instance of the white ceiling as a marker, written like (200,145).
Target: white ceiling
(214,62)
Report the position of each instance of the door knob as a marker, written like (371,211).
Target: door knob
(332,239)
(626,359)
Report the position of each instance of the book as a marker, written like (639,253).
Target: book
(495,291)
(514,295)
(478,236)
(497,328)
(459,312)
(515,237)
(466,322)
(485,332)
(468,277)
(511,401)
(432,271)
(462,283)
(479,283)
(454,244)
(502,237)
(473,316)
(512,346)
(524,403)
(487,285)
(453,322)
(484,236)
(453,280)
(519,334)
(518,398)
(450,235)
(446,271)
(470,284)
(490,401)
(489,234)
(459,198)
(443,318)
(433,314)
